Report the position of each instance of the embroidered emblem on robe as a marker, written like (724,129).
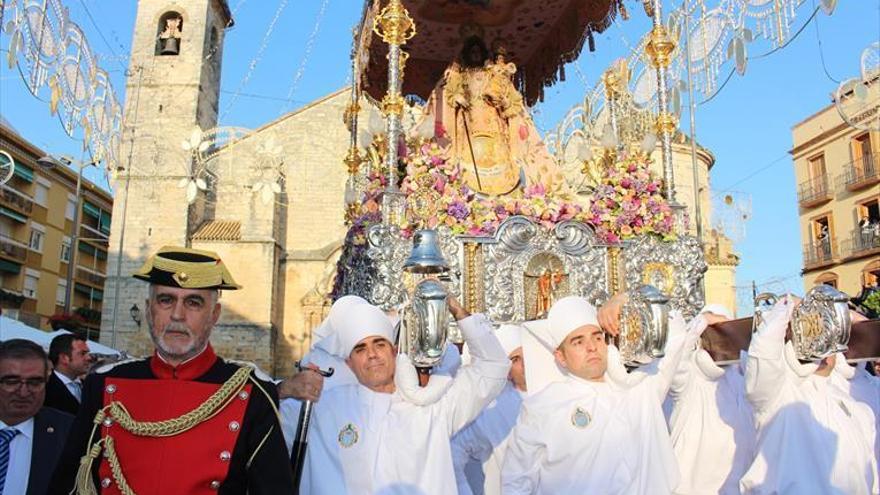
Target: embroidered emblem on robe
(348,435)
(580,418)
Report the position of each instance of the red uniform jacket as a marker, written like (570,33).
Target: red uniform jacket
(209,458)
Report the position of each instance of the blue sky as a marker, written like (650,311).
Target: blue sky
(747,125)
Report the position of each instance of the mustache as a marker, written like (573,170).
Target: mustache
(177,327)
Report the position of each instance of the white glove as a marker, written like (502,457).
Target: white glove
(406,378)
(776,320)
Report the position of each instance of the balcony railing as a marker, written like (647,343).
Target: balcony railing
(863,241)
(820,253)
(92,234)
(862,172)
(16,200)
(13,249)
(814,191)
(90,276)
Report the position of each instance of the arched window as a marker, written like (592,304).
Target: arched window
(827,278)
(168,33)
(871,274)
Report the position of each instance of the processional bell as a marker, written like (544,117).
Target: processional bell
(424,319)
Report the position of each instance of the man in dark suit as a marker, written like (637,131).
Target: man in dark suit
(31,436)
(71,361)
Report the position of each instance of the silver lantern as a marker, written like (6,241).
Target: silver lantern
(820,324)
(644,326)
(424,319)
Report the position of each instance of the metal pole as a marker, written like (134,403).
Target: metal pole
(660,48)
(393,114)
(692,109)
(118,275)
(395,26)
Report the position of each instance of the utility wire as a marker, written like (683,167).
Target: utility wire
(101,34)
(822,52)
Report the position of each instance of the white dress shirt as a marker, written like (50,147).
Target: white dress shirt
(75,386)
(19,457)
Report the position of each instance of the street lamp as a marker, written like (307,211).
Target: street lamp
(135,313)
(49,162)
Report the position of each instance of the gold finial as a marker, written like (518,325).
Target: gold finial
(352,160)
(660,47)
(394,24)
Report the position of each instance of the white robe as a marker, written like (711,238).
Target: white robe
(624,448)
(478,450)
(711,419)
(364,442)
(812,437)
(864,388)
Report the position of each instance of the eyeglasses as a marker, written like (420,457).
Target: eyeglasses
(12,384)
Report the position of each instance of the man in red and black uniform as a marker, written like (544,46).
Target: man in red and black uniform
(183,420)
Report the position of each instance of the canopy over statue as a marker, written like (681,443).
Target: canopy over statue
(540,38)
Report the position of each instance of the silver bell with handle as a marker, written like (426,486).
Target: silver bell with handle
(426,257)
(424,319)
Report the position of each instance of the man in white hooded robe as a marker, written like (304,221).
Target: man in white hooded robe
(711,419)
(478,450)
(594,429)
(369,437)
(812,437)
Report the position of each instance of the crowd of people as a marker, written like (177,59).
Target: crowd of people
(540,407)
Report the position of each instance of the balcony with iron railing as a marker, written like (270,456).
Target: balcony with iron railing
(814,192)
(18,201)
(820,253)
(863,241)
(13,249)
(862,172)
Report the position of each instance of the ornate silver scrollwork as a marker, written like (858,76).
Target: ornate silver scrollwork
(820,324)
(389,250)
(644,326)
(676,268)
(517,241)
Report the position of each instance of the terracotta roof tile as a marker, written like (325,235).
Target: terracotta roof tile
(218,230)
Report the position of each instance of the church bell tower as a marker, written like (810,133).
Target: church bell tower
(172,88)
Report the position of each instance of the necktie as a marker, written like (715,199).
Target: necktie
(6,436)
(76,390)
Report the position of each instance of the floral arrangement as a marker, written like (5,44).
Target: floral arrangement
(626,203)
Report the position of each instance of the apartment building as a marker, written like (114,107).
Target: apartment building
(37,206)
(837,168)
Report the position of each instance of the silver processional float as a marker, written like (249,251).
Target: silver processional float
(430,195)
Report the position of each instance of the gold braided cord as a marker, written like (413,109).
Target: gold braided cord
(116,468)
(189,274)
(117,412)
(84,483)
(268,398)
(259,447)
(174,426)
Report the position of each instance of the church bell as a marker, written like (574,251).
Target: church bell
(170,46)
(426,257)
